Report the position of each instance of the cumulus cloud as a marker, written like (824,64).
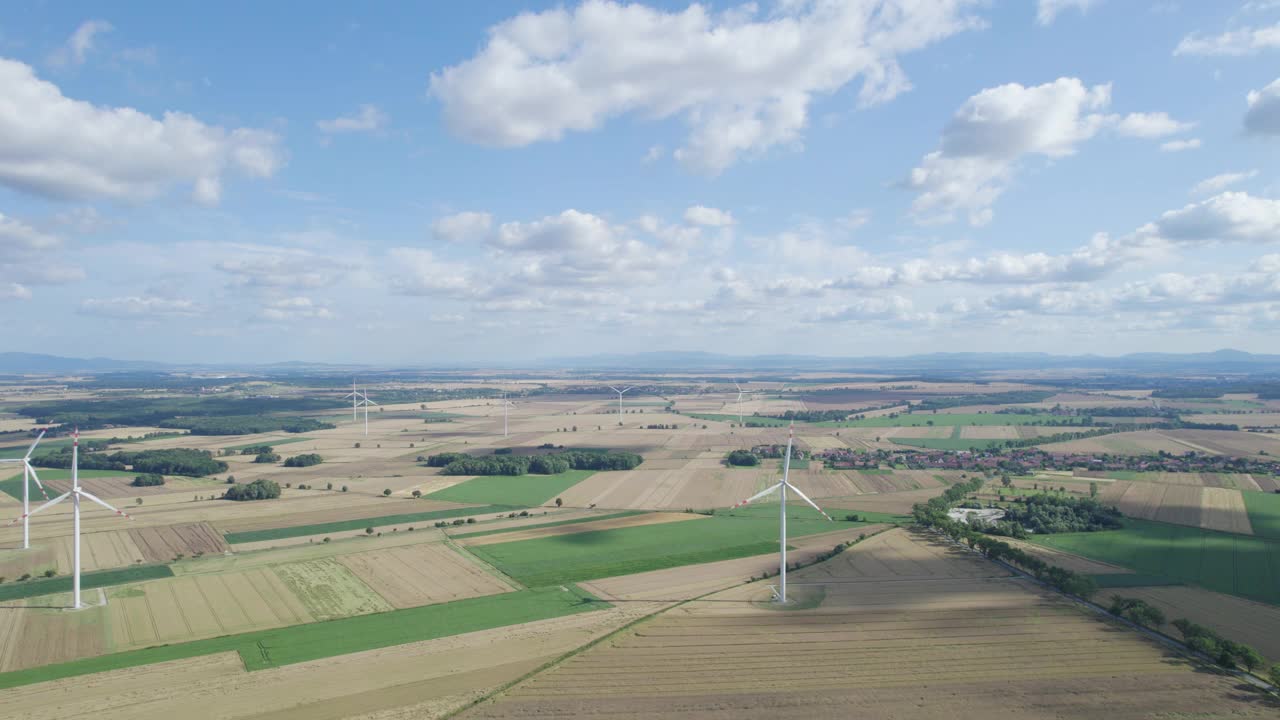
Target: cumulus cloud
(296,308)
(995,129)
(1228,217)
(367,119)
(420,272)
(1180,145)
(892,307)
(1218,183)
(580,248)
(54,146)
(80,43)
(462,226)
(26,257)
(1263,117)
(707,216)
(14,291)
(265,266)
(140,307)
(20,241)
(743,81)
(1234,43)
(1047,10)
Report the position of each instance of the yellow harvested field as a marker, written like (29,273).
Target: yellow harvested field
(1208,507)
(872,638)
(200,606)
(657,518)
(989,432)
(1235,618)
(1223,509)
(163,544)
(329,590)
(423,574)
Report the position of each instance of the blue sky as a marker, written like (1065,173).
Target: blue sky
(472,181)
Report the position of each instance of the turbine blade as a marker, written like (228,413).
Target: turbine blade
(34,444)
(34,476)
(812,504)
(614,388)
(101,502)
(633,387)
(757,496)
(49,504)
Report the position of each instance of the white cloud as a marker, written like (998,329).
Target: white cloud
(296,308)
(1263,117)
(892,307)
(1235,43)
(707,216)
(19,241)
(368,119)
(1229,217)
(1218,183)
(1150,126)
(80,43)
(1180,145)
(265,266)
(462,226)
(1047,10)
(14,291)
(58,147)
(743,81)
(29,256)
(140,307)
(419,272)
(580,248)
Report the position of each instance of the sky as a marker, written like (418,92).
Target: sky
(430,183)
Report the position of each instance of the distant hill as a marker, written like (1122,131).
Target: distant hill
(27,363)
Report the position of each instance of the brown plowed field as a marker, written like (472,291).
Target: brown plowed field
(1234,618)
(1267,483)
(163,544)
(44,635)
(423,574)
(892,642)
(355,507)
(120,487)
(657,518)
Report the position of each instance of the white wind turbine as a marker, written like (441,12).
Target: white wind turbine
(741,393)
(365,402)
(620,394)
(783,485)
(355,400)
(28,474)
(75,493)
(505,405)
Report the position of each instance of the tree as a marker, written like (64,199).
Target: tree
(368,531)
(260,489)
(357,445)
(231,479)
(1005,480)
(1275,674)
(304,460)
(148,480)
(328,486)
(417,494)
(344,488)
(742,458)
(50,572)
(138,501)
(387,492)
(267,457)
(1093,489)
(559,502)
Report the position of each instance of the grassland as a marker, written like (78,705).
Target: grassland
(535,526)
(13,486)
(952,419)
(236,538)
(300,643)
(1128,580)
(517,491)
(104,578)
(1264,513)
(1233,564)
(606,553)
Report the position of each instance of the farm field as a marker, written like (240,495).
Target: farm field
(1145,442)
(606,553)
(1232,564)
(866,646)
(1234,618)
(422,574)
(615,523)
(944,419)
(1264,513)
(1214,508)
(88,580)
(357,524)
(519,491)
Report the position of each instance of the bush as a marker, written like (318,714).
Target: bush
(267,457)
(231,479)
(387,492)
(148,480)
(742,458)
(305,460)
(471,521)
(344,488)
(326,540)
(417,494)
(328,486)
(260,489)
(50,572)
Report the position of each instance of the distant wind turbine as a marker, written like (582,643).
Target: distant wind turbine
(355,400)
(620,394)
(505,404)
(783,486)
(28,474)
(75,493)
(365,402)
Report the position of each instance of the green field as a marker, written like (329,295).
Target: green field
(1264,513)
(270,441)
(359,524)
(606,553)
(531,526)
(515,490)
(1128,580)
(747,420)
(14,590)
(13,486)
(953,419)
(300,643)
(1235,564)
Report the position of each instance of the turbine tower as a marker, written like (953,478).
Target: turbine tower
(75,493)
(620,394)
(784,485)
(505,405)
(355,399)
(28,474)
(365,402)
(740,394)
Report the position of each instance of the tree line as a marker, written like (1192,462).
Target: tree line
(246,424)
(261,489)
(547,464)
(170,461)
(1049,514)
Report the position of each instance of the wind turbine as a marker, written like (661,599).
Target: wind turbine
(75,493)
(741,393)
(505,404)
(28,474)
(365,402)
(355,400)
(783,485)
(620,394)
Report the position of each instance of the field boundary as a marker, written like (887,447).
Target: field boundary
(574,521)
(283,533)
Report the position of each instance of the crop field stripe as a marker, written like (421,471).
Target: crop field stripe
(575,521)
(1126,580)
(299,643)
(1264,513)
(88,581)
(527,490)
(236,538)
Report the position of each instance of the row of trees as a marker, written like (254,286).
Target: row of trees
(246,424)
(547,464)
(261,489)
(1227,653)
(171,461)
